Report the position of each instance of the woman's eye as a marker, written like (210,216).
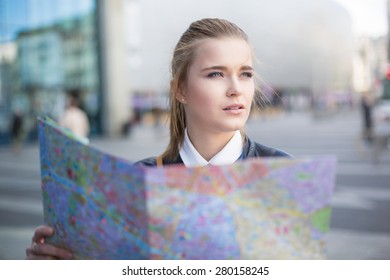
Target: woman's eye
(215,75)
(247,74)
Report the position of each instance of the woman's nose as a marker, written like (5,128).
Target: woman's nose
(233,87)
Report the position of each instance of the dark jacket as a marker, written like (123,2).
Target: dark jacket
(251,149)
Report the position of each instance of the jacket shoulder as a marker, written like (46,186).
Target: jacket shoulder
(254,149)
(150,161)
(265,151)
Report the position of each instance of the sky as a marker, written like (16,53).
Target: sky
(369,17)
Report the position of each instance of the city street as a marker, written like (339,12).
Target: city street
(360,225)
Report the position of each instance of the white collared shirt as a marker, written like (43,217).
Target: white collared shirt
(228,155)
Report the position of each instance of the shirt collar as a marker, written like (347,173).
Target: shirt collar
(228,155)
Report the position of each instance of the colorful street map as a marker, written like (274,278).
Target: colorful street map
(105,207)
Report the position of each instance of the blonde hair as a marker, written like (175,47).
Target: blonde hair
(182,59)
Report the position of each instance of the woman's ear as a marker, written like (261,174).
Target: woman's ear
(179,95)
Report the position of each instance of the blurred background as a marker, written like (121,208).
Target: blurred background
(317,55)
(325,73)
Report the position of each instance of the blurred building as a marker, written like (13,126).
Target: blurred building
(370,64)
(7,77)
(55,58)
(388,28)
(78,44)
(304,48)
(50,58)
(386,78)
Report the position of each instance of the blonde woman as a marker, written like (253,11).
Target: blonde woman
(212,91)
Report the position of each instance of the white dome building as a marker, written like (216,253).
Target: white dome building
(300,44)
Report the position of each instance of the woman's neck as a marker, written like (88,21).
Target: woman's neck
(209,144)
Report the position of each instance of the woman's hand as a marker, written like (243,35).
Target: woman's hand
(39,250)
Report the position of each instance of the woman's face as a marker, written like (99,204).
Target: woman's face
(219,88)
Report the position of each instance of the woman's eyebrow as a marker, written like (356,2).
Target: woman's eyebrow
(247,68)
(216,67)
(224,68)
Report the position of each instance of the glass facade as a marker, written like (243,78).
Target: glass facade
(47,47)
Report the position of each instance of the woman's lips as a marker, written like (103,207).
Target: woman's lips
(234,108)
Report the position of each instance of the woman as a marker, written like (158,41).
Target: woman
(212,90)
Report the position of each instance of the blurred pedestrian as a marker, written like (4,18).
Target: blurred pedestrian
(16,130)
(381,130)
(74,118)
(366,108)
(211,93)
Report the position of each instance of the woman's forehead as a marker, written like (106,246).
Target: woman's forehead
(222,52)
